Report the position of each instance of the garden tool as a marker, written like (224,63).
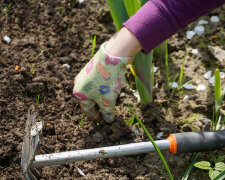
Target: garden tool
(175,143)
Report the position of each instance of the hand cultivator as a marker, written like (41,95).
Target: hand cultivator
(175,143)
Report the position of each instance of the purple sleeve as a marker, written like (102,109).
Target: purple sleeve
(157,20)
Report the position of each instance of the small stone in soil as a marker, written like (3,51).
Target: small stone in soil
(212,80)
(173,85)
(159,135)
(194,51)
(6,39)
(199,30)
(81,172)
(201,87)
(214,19)
(201,22)
(186,98)
(188,86)
(155,69)
(67,66)
(207,75)
(190,34)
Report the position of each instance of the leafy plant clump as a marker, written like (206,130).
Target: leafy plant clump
(213,171)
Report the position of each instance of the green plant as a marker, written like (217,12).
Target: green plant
(213,172)
(218,120)
(38,99)
(6,9)
(190,166)
(93,41)
(121,10)
(153,142)
(60,11)
(81,122)
(22,87)
(74,109)
(32,67)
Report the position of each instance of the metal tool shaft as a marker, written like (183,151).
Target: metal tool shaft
(104,152)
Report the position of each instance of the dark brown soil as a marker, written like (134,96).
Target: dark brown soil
(47,34)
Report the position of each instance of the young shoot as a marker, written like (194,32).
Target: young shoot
(38,99)
(81,122)
(93,41)
(60,11)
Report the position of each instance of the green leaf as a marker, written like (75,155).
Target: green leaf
(131,6)
(214,159)
(118,12)
(220,166)
(203,165)
(221,176)
(190,166)
(217,87)
(213,174)
(143,2)
(221,158)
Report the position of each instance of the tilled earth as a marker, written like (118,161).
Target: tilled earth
(47,34)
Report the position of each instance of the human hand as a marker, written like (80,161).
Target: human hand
(100,82)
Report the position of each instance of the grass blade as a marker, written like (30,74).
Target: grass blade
(154,144)
(118,12)
(167,66)
(217,88)
(131,6)
(190,166)
(221,176)
(182,72)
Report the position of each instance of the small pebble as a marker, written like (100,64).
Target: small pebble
(81,172)
(173,85)
(188,86)
(7,39)
(222,75)
(67,66)
(194,51)
(199,30)
(159,135)
(136,94)
(36,128)
(122,94)
(190,34)
(81,1)
(202,22)
(214,19)
(201,87)
(212,80)
(186,98)
(207,75)
(155,69)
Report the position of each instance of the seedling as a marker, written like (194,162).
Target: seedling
(32,67)
(153,142)
(60,11)
(22,87)
(93,41)
(213,171)
(38,99)
(81,122)
(217,119)
(6,9)
(74,109)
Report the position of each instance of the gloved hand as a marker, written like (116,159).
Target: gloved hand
(100,82)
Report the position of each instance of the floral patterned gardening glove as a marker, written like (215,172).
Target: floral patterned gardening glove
(100,82)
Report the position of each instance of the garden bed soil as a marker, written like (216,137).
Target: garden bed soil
(47,34)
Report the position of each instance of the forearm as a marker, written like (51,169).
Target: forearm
(157,20)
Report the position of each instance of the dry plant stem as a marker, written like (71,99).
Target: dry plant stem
(123,44)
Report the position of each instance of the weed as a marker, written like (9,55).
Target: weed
(93,41)
(74,109)
(81,122)
(60,11)
(213,172)
(6,9)
(22,87)
(130,121)
(38,99)
(153,142)
(32,67)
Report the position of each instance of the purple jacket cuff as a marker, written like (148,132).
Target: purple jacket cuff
(157,20)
